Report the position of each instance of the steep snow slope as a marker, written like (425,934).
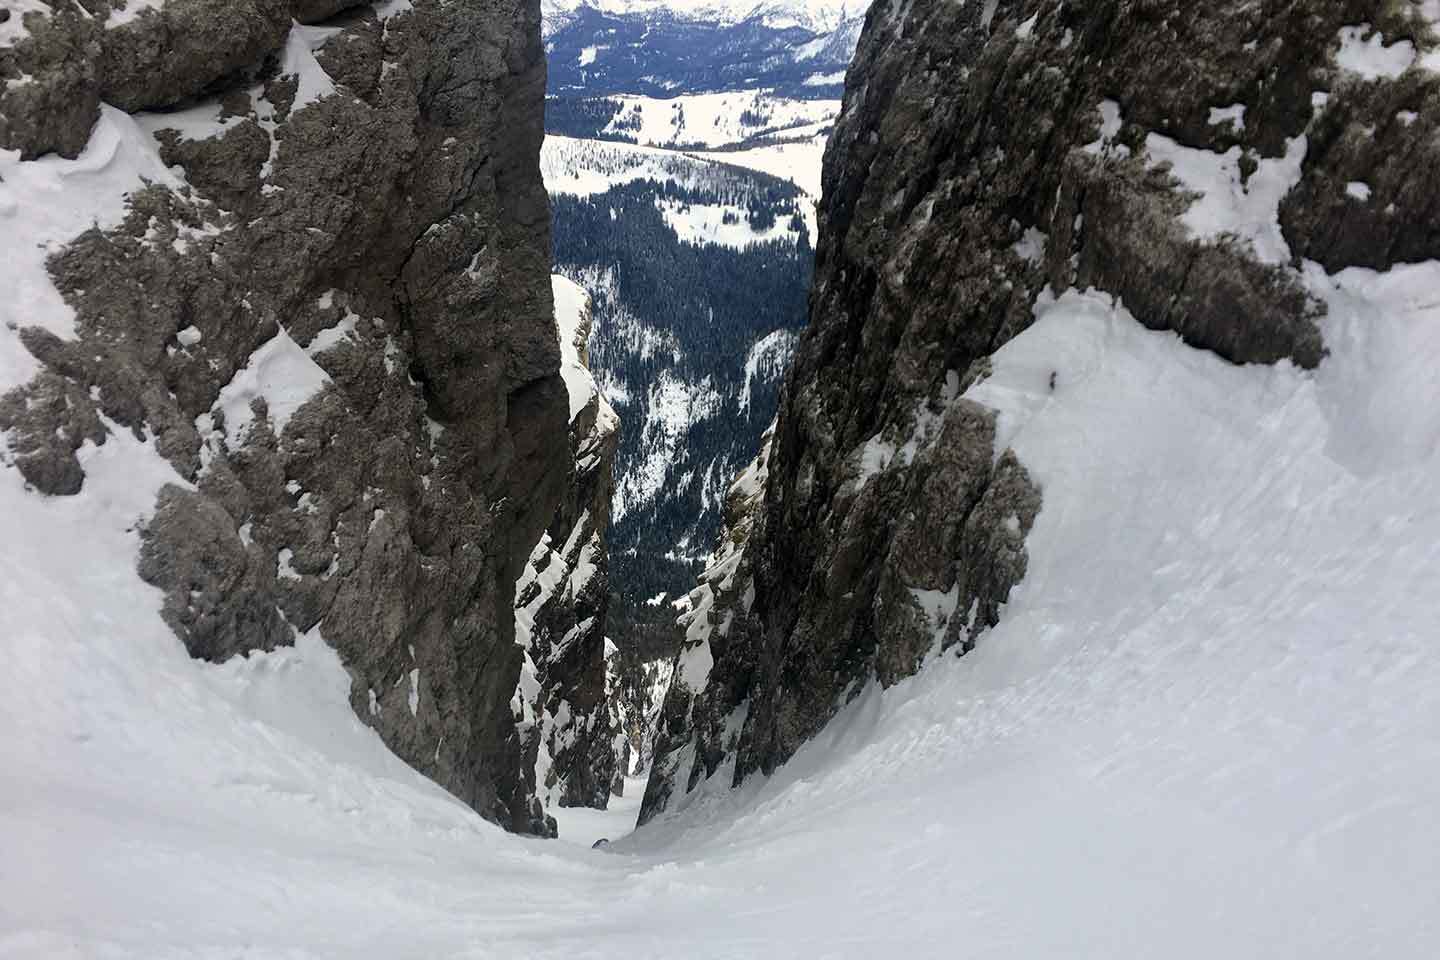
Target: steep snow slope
(582,168)
(1208,724)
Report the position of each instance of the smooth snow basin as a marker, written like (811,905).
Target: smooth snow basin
(1208,725)
(583,826)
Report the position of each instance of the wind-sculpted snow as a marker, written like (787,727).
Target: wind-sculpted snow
(1149,432)
(582,168)
(896,518)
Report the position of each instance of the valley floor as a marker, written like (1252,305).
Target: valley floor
(1207,726)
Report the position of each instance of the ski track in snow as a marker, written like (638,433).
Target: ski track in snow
(1208,724)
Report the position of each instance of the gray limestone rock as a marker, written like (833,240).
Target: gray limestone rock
(561,603)
(986,152)
(48,94)
(391,239)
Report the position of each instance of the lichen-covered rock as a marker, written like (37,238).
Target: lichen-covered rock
(338,328)
(707,696)
(1199,162)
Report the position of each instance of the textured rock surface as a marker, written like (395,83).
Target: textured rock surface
(49,97)
(338,327)
(1192,160)
(571,736)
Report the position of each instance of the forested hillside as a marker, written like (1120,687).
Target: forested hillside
(698,272)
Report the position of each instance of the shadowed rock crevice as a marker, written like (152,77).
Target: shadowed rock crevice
(568,720)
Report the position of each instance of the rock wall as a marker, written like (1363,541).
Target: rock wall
(1206,164)
(329,305)
(572,738)
(638,691)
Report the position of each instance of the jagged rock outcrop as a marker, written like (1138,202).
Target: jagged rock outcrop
(326,298)
(1197,162)
(563,704)
(705,705)
(638,688)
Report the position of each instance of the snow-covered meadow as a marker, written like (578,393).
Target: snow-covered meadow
(701,120)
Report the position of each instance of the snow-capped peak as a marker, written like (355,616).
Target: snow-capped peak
(820,16)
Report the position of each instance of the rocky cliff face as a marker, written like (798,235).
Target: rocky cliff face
(319,282)
(571,736)
(1204,164)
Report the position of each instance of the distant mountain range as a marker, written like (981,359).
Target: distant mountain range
(799,48)
(683,162)
(818,16)
(698,271)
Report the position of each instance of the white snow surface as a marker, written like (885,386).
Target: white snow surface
(281,372)
(1364,51)
(572,308)
(13,30)
(299,59)
(1207,725)
(1227,206)
(582,826)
